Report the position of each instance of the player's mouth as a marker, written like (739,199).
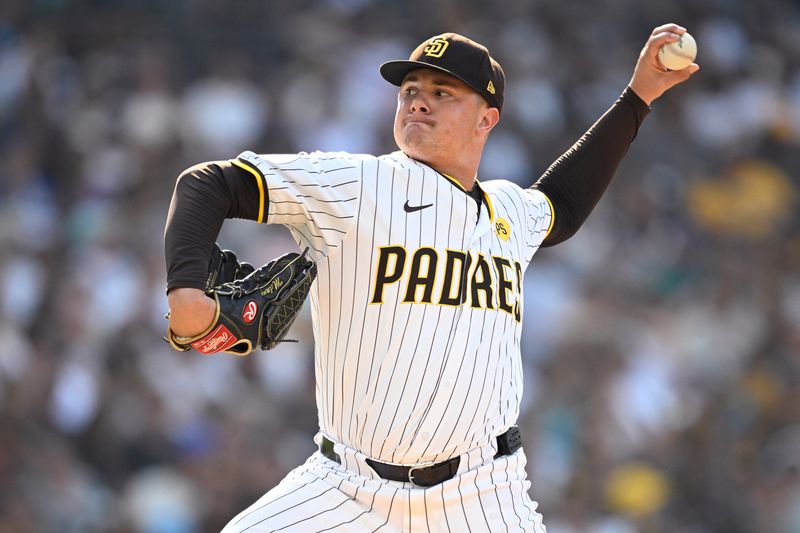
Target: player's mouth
(419,122)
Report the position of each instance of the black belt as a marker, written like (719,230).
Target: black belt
(427,476)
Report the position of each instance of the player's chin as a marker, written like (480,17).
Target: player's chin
(414,150)
(413,142)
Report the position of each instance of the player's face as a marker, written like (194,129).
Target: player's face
(439,118)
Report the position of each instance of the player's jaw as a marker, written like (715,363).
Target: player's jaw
(418,138)
(432,134)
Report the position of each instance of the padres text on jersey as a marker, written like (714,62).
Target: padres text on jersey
(417,291)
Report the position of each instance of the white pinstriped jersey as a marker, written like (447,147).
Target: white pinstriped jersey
(418,299)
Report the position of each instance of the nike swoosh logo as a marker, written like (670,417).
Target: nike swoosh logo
(411,209)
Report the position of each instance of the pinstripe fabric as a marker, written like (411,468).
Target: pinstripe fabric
(321,495)
(417,315)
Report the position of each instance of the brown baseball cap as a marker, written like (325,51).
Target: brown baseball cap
(458,56)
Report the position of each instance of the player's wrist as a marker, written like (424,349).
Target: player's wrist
(190,311)
(643,91)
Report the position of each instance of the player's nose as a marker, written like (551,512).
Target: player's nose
(418,105)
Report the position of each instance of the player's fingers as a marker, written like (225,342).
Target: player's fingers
(685,73)
(679,76)
(663,38)
(671,27)
(657,41)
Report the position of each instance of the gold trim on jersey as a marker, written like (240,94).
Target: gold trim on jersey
(485,194)
(454,181)
(261,184)
(488,201)
(518,305)
(552,215)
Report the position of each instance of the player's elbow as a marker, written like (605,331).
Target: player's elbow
(204,183)
(195,172)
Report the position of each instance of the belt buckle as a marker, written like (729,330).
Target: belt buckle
(418,467)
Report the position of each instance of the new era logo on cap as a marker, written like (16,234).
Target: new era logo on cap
(458,56)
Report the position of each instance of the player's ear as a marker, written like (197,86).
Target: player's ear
(489,118)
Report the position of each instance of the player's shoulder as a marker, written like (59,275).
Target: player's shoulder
(317,157)
(506,190)
(401,161)
(497,185)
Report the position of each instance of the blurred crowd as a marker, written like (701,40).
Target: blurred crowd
(661,344)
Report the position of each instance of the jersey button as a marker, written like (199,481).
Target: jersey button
(426,436)
(448,383)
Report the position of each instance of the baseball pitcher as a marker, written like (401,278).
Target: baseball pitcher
(414,269)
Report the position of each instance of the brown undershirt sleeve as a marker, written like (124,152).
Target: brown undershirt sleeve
(205,195)
(575,182)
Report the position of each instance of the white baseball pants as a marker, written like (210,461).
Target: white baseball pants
(486,495)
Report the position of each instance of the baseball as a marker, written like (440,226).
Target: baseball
(680,54)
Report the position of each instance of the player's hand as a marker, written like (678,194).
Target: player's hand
(650,80)
(251,312)
(190,311)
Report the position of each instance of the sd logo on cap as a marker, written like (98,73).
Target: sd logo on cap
(465,59)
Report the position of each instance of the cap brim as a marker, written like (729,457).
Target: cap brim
(396,71)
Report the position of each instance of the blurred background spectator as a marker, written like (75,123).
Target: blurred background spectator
(662,343)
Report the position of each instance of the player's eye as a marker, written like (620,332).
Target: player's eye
(411,91)
(442,92)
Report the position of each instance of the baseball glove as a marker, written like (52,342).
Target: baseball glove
(256,310)
(223,267)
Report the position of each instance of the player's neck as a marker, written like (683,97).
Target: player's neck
(467,183)
(464,168)
(464,175)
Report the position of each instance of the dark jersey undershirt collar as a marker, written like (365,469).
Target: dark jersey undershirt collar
(476,193)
